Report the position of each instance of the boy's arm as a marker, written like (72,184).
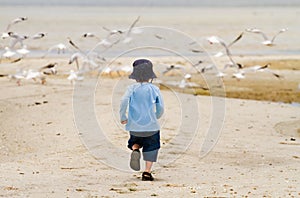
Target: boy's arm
(159,106)
(124,105)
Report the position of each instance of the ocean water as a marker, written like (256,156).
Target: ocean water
(195,23)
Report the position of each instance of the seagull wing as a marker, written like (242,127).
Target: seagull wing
(236,39)
(280,31)
(132,25)
(73,44)
(257,31)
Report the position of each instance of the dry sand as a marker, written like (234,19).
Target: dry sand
(257,154)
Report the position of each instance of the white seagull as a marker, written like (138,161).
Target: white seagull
(267,41)
(131,30)
(227,46)
(18,76)
(259,68)
(75,76)
(13,22)
(59,48)
(176,68)
(232,63)
(39,35)
(34,75)
(17,39)
(8,53)
(23,51)
(49,69)
(90,35)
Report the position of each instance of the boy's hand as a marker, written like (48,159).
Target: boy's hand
(124,122)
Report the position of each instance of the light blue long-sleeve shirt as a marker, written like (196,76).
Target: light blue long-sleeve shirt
(145,106)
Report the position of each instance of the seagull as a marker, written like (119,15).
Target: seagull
(39,35)
(74,58)
(49,69)
(259,68)
(173,68)
(183,83)
(16,20)
(239,75)
(13,22)
(90,35)
(234,65)
(86,58)
(197,51)
(159,37)
(60,49)
(210,67)
(126,38)
(207,68)
(267,41)
(112,32)
(132,30)
(18,76)
(215,39)
(227,46)
(8,53)
(23,51)
(195,66)
(75,76)
(17,39)
(34,75)
(220,74)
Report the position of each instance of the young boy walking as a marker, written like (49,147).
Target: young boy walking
(145,106)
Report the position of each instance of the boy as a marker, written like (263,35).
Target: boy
(145,106)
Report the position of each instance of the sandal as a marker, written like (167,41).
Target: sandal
(147,176)
(135,160)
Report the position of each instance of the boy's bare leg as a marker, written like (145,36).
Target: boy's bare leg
(148,166)
(135,146)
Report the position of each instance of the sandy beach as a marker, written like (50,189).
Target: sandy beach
(44,153)
(225,137)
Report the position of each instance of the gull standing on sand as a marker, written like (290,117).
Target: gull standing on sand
(23,51)
(34,75)
(211,67)
(49,69)
(60,49)
(18,76)
(267,41)
(183,83)
(8,53)
(239,75)
(75,76)
(171,68)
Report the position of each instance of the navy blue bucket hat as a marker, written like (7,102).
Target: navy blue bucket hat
(142,70)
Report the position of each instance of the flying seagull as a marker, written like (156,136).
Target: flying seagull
(267,41)
(215,39)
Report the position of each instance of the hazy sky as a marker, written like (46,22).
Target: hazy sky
(155,2)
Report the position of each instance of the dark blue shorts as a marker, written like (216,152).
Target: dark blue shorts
(149,141)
